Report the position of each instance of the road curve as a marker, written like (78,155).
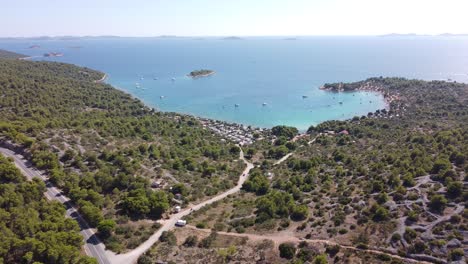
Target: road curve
(93,247)
(132,256)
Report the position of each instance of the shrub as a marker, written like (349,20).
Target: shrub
(456,254)
(201,225)
(191,241)
(287,250)
(438,203)
(332,250)
(168,237)
(396,237)
(410,234)
(320,259)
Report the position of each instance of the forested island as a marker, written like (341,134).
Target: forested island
(387,187)
(201,73)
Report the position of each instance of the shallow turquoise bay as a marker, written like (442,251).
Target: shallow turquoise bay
(254,71)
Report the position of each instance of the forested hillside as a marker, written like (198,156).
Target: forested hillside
(394,180)
(32,229)
(116,158)
(4,54)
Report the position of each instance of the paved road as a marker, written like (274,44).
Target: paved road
(132,256)
(93,247)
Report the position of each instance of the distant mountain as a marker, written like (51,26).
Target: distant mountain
(423,35)
(453,35)
(57,37)
(402,35)
(232,38)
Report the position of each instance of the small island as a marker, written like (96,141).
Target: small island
(53,54)
(200,73)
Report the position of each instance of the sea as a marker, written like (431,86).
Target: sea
(258,81)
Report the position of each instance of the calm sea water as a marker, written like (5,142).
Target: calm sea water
(254,71)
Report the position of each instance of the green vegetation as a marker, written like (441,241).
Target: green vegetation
(105,149)
(200,73)
(287,250)
(284,131)
(381,184)
(396,169)
(33,229)
(4,54)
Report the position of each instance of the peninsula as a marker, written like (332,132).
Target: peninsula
(4,54)
(201,73)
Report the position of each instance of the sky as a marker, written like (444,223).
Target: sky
(26,18)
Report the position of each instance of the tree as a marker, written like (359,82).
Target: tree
(105,227)
(234,150)
(136,202)
(179,188)
(287,250)
(454,189)
(440,165)
(257,183)
(379,213)
(284,131)
(91,213)
(158,203)
(438,203)
(299,212)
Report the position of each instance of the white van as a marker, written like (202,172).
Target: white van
(181,223)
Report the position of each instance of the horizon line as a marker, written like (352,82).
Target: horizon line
(233,36)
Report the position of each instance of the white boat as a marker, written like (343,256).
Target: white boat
(264,104)
(236,105)
(161,97)
(173,79)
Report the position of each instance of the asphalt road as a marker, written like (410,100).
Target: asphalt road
(93,246)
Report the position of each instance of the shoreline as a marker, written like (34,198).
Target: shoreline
(103,79)
(29,57)
(390,98)
(205,119)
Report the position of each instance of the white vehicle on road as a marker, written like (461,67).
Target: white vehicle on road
(181,223)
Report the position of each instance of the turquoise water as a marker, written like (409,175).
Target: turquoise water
(253,71)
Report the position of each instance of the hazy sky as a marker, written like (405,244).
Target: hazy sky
(231,17)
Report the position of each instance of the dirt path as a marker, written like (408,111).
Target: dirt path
(132,256)
(279,238)
(284,158)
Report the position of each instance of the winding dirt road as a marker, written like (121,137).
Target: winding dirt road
(132,256)
(284,238)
